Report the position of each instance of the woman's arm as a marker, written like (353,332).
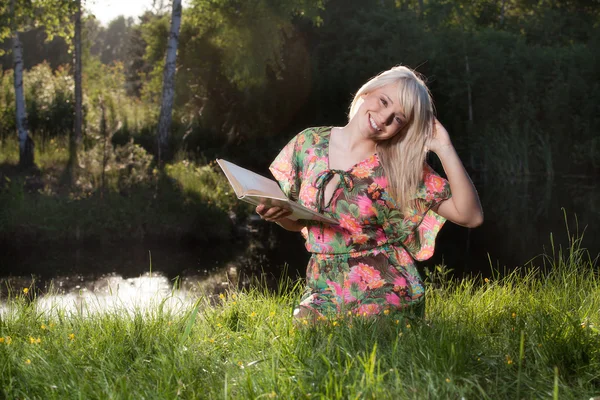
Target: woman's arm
(279,216)
(464,207)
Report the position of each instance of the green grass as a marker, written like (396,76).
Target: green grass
(530,334)
(130,200)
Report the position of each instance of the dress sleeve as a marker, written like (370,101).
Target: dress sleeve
(286,169)
(424,223)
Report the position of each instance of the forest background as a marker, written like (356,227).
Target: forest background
(516,82)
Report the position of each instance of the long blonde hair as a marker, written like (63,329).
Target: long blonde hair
(403,156)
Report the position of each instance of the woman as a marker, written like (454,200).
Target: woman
(371,176)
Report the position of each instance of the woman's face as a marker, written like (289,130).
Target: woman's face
(381,116)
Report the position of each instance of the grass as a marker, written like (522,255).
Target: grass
(125,199)
(530,334)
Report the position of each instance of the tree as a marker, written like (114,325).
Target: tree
(166,108)
(23,15)
(25,142)
(76,136)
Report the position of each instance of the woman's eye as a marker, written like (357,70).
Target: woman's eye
(384,102)
(398,120)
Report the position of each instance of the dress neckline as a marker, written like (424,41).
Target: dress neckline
(327,151)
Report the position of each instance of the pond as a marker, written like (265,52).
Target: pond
(522,219)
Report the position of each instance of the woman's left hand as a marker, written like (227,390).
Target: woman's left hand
(440,138)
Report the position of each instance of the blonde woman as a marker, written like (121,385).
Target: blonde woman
(371,176)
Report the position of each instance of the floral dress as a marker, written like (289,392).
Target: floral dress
(366,264)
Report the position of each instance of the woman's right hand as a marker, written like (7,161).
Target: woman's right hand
(272,214)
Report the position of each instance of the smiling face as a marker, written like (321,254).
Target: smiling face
(381,116)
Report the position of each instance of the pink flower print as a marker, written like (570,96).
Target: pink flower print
(368,309)
(429,223)
(349,223)
(365,277)
(308,195)
(393,299)
(361,171)
(371,162)
(360,238)
(403,257)
(435,185)
(381,181)
(365,205)
(344,292)
(400,281)
(425,253)
(380,236)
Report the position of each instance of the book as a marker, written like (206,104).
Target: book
(257,189)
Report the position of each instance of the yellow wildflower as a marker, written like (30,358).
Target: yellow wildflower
(272,314)
(386,311)
(253,314)
(33,340)
(407,326)
(71,336)
(272,395)
(1,340)
(305,322)
(487,280)
(509,360)
(8,340)
(219,325)
(397,321)
(240,364)
(28,361)
(447,380)
(43,326)
(51,325)
(211,340)
(514,315)
(335,323)
(222,296)
(25,290)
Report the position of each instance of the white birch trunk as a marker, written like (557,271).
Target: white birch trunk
(25,142)
(78,120)
(164,122)
(78,89)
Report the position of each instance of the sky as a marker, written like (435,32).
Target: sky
(107,10)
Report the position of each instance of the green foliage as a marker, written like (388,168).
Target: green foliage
(525,335)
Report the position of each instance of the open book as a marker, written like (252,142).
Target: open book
(257,189)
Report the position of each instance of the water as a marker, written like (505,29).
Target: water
(520,218)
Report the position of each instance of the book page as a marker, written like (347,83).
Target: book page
(251,182)
(257,189)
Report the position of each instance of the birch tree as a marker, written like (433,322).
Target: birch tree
(20,16)
(168,92)
(76,136)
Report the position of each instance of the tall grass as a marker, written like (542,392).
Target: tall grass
(530,334)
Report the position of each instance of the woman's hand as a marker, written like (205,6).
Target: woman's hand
(440,139)
(272,214)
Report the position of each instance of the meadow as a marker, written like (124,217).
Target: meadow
(529,333)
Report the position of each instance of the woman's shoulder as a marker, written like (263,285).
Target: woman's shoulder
(314,135)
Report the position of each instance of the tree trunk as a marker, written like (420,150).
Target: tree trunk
(25,142)
(164,122)
(469,96)
(76,136)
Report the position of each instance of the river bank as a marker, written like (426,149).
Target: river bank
(532,333)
